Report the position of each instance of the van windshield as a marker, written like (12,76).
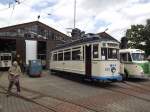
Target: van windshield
(137,56)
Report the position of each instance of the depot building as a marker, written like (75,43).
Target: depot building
(33,40)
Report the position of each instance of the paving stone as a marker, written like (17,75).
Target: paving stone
(14,104)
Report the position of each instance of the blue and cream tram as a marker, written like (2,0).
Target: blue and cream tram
(92,57)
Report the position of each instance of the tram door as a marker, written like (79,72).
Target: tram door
(88,65)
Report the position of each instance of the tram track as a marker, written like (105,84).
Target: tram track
(61,99)
(140,86)
(132,90)
(129,91)
(122,90)
(26,99)
(32,100)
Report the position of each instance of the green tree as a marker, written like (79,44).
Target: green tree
(139,37)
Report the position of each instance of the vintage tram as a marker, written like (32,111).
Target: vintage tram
(92,57)
(5,59)
(134,63)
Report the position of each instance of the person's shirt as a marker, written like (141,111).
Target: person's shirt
(16,71)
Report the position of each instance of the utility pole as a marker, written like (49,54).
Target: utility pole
(74,14)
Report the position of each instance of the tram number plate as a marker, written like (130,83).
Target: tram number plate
(107,69)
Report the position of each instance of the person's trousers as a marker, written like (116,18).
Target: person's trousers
(16,83)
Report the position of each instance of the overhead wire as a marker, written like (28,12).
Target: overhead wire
(12,11)
(16,2)
(12,4)
(3,9)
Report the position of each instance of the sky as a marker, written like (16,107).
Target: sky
(92,16)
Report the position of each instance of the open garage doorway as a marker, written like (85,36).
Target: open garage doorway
(41,52)
(8,46)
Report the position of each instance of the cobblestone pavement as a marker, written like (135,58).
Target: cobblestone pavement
(67,95)
(14,104)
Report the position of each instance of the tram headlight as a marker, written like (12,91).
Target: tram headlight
(113,69)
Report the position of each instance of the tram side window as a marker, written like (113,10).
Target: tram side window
(2,58)
(60,56)
(104,53)
(123,57)
(67,55)
(129,57)
(55,57)
(76,55)
(95,51)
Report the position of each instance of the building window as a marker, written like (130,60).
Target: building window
(95,51)
(67,55)
(60,56)
(76,55)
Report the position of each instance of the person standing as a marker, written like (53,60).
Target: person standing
(13,77)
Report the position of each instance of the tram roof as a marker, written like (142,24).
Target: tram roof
(87,38)
(131,51)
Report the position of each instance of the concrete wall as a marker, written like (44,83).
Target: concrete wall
(50,45)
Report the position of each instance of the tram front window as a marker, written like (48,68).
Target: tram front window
(137,56)
(5,57)
(112,53)
(109,53)
(104,53)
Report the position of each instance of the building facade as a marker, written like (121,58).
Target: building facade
(13,39)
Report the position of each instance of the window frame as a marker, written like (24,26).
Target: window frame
(72,58)
(113,58)
(98,51)
(68,51)
(105,53)
(54,57)
(59,57)
(127,57)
